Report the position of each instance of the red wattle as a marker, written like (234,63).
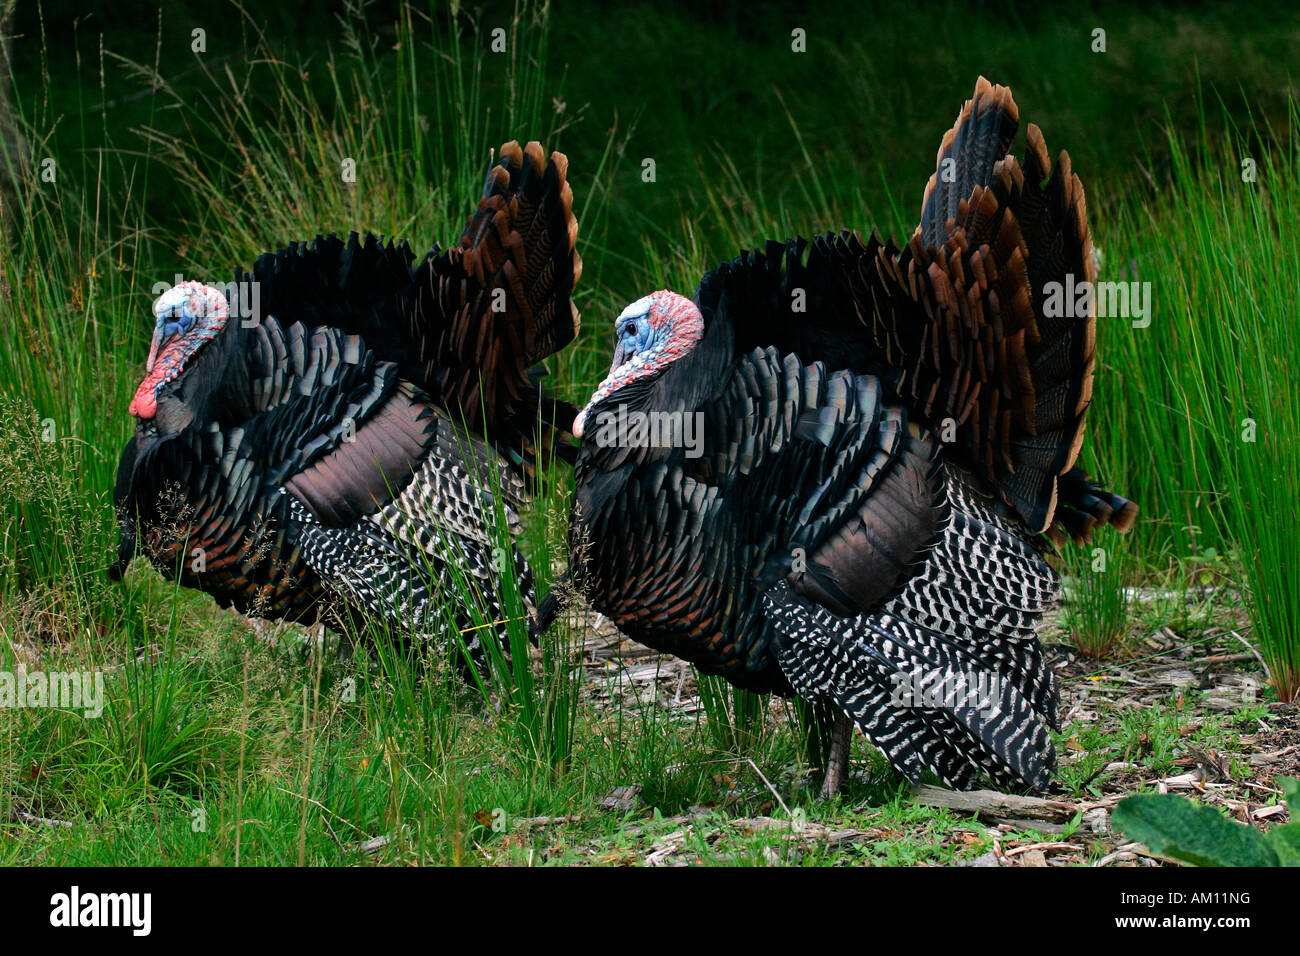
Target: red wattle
(145,404)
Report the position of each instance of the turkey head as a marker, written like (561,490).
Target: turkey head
(188,317)
(651,333)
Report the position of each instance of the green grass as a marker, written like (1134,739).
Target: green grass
(219,746)
(1096,599)
(1203,393)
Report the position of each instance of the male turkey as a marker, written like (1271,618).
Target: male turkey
(887,435)
(330,435)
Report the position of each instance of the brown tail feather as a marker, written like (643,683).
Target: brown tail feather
(505,293)
(962,312)
(982,134)
(1085,505)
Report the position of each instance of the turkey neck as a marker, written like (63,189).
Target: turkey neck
(610,481)
(213,383)
(683,387)
(602,470)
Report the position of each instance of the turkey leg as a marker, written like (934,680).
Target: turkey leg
(837,761)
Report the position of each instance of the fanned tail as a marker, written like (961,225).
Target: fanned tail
(972,318)
(503,301)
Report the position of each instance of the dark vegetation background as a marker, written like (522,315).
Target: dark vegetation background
(681,81)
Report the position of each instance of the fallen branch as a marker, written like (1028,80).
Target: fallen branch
(1126,852)
(375,844)
(996,807)
(1040,846)
(1251,647)
(1131,851)
(544,821)
(22,816)
(1257,759)
(1226,659)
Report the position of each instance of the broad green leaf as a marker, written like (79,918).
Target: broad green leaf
(1175,827)
(1286,843)
(1290,788)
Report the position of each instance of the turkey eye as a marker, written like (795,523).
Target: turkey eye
(629,329)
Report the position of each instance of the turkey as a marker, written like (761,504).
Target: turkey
(833,473)
(345,434)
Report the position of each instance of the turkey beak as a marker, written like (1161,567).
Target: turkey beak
(153,351)
(580,423)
